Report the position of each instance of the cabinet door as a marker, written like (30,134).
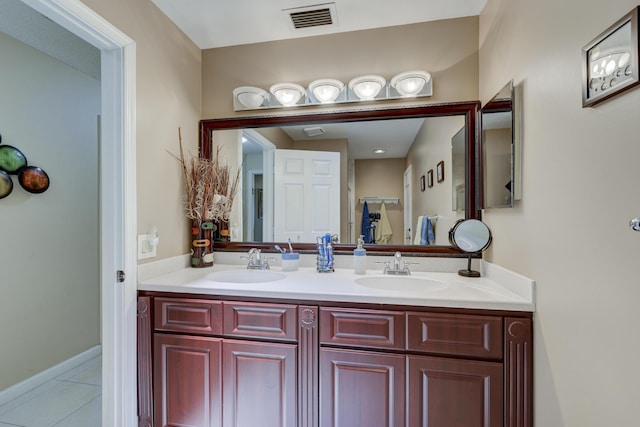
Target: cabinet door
(259,384)
(452,392)
(360,388)
(188,381)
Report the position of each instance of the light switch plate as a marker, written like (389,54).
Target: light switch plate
(145,250)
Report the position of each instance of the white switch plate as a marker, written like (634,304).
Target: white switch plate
(145,250)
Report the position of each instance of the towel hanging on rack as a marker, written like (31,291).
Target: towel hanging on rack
(383,231)
(366,224)
(427,236)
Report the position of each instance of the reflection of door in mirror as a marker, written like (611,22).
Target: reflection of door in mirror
(458,166)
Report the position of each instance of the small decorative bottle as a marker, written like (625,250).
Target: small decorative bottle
(360,257)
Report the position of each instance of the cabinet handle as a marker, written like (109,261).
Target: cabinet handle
(635,224)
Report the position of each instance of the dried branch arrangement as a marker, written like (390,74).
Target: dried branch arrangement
(210,186)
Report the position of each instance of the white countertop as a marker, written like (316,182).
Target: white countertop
(498,289)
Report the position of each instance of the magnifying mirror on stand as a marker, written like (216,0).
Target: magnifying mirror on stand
(473,237)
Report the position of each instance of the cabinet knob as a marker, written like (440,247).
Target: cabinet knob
(635,224)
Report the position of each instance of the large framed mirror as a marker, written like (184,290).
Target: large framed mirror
(339,146)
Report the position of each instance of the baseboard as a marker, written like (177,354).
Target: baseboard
(37,380)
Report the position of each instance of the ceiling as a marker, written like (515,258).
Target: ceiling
(220,23)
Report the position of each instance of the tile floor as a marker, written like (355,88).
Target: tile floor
(71,400)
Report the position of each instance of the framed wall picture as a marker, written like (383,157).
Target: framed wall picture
(430,178)
(610,61)
(440,171)
(422,183)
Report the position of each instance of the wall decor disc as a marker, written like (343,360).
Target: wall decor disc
(11,159)
(33,179)
(6,184)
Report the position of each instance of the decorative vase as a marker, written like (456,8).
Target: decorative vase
(202,243)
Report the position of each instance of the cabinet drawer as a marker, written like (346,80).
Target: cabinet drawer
(203,317)
(362,328)
(453,334)
(260,320)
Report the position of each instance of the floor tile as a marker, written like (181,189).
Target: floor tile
(89,415)
(90,372)
(49,404)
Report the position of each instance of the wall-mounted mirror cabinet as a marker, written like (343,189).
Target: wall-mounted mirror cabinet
(501,147)
(277,201)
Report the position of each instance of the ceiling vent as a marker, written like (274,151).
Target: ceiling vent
(319,15)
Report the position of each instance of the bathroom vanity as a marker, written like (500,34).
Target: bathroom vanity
(307,349)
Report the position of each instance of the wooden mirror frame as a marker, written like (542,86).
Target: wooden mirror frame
(473,167)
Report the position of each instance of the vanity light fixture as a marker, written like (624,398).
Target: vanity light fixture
(364,88)
(326,90)
(287,94)
(367,87)
(250,97)
(410,83)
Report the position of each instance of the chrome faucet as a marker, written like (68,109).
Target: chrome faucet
(256,261)
(396,269)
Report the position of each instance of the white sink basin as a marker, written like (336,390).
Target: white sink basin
(245,276)
(409,284)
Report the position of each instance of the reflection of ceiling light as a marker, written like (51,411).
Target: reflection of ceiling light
(326,90)
(287,94)
(410,83)
(611,62)
(250,97)
(313,131)
(379,151)
(367,87)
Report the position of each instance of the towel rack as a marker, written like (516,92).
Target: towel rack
(434,218)
(380,200)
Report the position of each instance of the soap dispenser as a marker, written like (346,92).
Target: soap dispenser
(360,257)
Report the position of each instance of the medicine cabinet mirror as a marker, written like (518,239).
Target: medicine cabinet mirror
(363,175)
(501,146)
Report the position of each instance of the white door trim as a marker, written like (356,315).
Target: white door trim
(408,232)
(268,150)
(117,202)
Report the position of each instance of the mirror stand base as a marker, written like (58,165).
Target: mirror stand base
(469,273)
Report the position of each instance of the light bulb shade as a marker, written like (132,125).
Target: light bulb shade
(326,90)
(410,83)
(250,97)
(367,87)
(287,94)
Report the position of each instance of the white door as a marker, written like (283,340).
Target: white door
(408,207)
(307,195)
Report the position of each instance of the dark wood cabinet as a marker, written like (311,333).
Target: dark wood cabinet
(209,362)
(454,392)
(361,388)
(187,381)
(259,384)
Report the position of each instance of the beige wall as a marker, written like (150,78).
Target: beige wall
(369,184)
(447,49)
(570,232)
(49,251)
(168,96)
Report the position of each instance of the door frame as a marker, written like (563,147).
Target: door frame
(408,205)
(117,202)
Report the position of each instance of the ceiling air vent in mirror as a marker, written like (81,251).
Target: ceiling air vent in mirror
(319,15)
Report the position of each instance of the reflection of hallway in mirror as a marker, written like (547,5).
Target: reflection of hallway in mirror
(72,399)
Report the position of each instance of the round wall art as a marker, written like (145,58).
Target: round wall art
(11,159)
(33,179)
(6,184)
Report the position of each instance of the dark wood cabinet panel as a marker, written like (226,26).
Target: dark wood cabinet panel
(259,384)
(518,368)
(455,334)
(187,381)
(447,392)
(361,388)
(362,328)
(202,317)
(260,320)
